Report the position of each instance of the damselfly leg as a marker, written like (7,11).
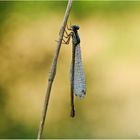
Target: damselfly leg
(69,28)
(68,36)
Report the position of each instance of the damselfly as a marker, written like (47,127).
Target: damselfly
(77,76)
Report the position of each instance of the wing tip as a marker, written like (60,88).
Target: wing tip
(81,95)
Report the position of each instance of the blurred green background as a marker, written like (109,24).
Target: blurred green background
(110,43)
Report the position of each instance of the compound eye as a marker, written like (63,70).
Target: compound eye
(77,27)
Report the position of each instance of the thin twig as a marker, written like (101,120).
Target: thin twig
(53,69)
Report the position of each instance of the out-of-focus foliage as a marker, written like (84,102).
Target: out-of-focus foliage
(110,43)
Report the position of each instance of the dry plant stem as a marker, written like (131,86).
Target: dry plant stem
(53,69)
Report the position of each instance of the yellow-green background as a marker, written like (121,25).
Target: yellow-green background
(110,44)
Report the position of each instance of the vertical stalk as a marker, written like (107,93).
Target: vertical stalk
(53,69)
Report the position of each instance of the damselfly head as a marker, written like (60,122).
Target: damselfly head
(75,27)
